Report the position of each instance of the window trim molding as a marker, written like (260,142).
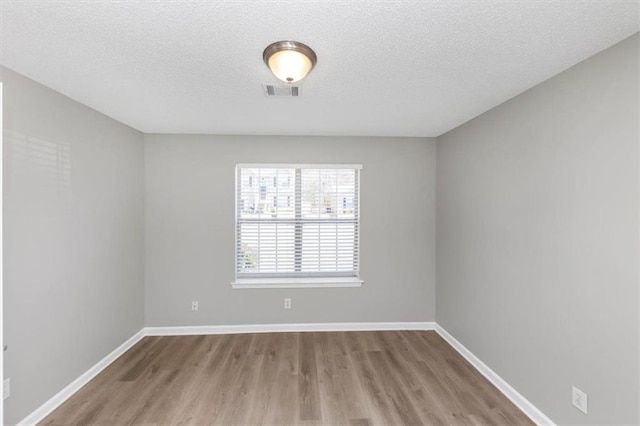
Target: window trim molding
(297,166)
(297,282)
(292,282)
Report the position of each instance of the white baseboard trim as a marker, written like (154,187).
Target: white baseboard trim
(520,401)
(275,328)
(45,409)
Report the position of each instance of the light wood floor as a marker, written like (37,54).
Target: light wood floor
(357,378)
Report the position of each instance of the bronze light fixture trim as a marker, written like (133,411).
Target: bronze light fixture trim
(288,60)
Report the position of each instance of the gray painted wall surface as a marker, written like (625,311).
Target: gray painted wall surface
(189,216)
(73,240)
(537,236)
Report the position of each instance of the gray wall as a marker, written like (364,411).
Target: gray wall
(73,240)
(189,217)
(537,235)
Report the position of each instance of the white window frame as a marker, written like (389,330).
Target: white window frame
(293,282)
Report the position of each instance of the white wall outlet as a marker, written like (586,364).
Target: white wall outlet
(194,305)
(579,399)
(6,388)
(287,303)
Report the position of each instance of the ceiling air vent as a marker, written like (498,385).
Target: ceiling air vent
(284,91)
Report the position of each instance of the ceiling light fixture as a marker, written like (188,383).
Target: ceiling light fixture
(290,61)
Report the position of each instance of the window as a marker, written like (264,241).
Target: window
(300,231)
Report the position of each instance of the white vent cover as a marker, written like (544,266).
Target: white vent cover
(284,91)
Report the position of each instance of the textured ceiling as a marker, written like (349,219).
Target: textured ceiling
(385,68)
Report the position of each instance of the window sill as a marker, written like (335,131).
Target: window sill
(328,282)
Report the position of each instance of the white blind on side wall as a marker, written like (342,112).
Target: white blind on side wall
(297,221)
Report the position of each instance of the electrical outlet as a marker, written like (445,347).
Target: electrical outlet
(579,399)
(194,305)
(6,388)
(287,303)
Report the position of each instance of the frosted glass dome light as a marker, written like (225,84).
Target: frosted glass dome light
(290,61)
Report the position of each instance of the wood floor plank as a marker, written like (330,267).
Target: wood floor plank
(394,390)
(403,366)
(230,371)
(340,378)
(332,393)
(437,400)
(379,403)
(308,392)
(243,392)
(353,402)
(283,407)
(269,346)
(432,372)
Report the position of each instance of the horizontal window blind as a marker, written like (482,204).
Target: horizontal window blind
(297,221)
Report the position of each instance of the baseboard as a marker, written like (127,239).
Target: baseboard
(520,401)
(274,328)
(45,409)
